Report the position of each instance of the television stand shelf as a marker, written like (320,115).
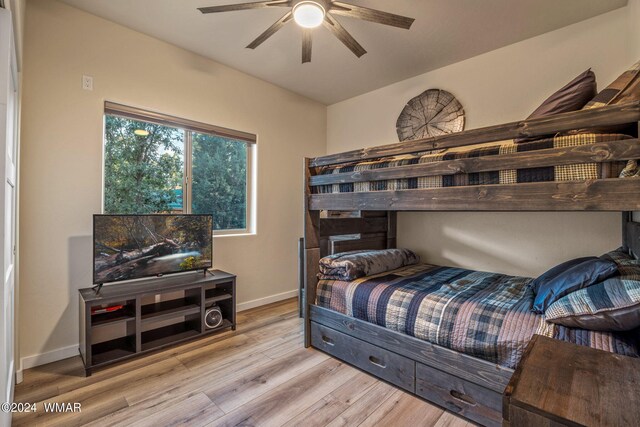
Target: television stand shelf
(133,318)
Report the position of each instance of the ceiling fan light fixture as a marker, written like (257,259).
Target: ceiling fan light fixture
(308,14)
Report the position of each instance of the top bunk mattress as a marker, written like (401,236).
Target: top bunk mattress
(574,172)
(485,315)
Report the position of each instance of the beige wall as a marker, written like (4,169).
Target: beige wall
(634,19)
(62,157)
(497,87)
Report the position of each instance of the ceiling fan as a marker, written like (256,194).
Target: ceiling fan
(310,14)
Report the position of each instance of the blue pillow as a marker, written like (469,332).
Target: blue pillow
(569,277)
(555,271)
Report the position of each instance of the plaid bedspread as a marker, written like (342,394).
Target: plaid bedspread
(511,176)
(486,315)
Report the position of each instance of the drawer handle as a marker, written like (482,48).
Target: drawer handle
(463,397)
(377,362)
(328,340)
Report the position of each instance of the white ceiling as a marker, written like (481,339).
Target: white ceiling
(445,32)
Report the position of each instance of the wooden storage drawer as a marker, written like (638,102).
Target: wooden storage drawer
(384,364)
(471,401)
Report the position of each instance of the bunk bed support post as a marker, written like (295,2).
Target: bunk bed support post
(626,218)
(392,225)
(311,253)
(630,234)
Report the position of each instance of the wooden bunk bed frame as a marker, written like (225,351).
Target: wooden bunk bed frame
(468,386)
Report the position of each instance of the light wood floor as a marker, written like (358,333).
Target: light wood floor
(257,375)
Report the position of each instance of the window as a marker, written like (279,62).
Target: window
(219,180)
(161,164)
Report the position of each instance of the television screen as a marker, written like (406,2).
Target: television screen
(129,247)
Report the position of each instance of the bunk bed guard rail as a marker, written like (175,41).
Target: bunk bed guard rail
(607,194)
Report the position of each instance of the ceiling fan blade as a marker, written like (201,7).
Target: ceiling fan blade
(270,31)
(306,45)
(342,34)
(244,6)
(372,15)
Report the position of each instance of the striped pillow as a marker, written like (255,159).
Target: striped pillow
(631,169)
(627,263)
(611,305)
(625,88)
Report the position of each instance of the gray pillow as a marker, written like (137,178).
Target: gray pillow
(571,97)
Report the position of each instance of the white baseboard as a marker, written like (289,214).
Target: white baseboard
(266,300)
(48,357)
(72,350)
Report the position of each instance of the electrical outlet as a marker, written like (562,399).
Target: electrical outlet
(87,82)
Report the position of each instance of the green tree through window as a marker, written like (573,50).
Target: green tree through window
(220,180)
(141,172)
(145,171)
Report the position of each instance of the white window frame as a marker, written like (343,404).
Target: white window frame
(189,127)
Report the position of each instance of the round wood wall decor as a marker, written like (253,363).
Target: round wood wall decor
(434,112)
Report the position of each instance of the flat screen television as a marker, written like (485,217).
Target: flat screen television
(127,247)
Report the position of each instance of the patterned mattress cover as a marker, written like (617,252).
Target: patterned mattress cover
(554,173)
(486,315)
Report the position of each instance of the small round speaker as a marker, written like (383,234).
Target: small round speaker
(213,317)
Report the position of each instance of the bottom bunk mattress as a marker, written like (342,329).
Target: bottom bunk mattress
(485,315)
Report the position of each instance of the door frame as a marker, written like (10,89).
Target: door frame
(9,134)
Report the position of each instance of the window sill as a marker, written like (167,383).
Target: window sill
(235,234)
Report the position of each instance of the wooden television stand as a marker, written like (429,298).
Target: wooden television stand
(155,313)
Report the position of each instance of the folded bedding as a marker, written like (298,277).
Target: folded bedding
(485,315)
(511,176)
(354,264)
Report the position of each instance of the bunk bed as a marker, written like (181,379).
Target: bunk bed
(351,200)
